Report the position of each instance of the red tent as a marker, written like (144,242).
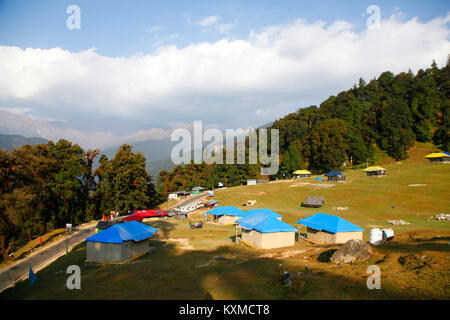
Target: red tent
(133,217)
(150,213)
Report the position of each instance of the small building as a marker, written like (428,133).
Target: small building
(197,190)
(105,224)
(439,157)
(335,176)
(325,228)
(251,182)
(210,204)
(263,211)
(375,171)
(264,231)
(301,174)
(313,202)
(119,243)
(177,195)
(223,215)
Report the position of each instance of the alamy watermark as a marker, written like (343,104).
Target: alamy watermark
(73,281)
(74,20)
(373,21)
(213,152)
(374,279)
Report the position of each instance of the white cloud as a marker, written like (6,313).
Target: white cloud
(155,28)
(208,21)
(226,27)
(274,71)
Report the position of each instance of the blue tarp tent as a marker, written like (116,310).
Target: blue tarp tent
(319,179)
(229,211)
(333,173)
(264,223)
(267,212)
(328,222)
(127,231)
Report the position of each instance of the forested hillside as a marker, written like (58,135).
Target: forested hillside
(48,185)
(385,116)
(389,113)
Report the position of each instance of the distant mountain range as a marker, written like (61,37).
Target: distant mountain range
(103,134)
(8,142)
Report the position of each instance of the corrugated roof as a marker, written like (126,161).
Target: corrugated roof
(127,231)
(438,155)
(334,173)
(313,200)
(328,222)
(264,223)
(228,211)
(302,172)
(373,168)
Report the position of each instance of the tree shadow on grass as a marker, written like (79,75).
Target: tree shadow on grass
(173,274)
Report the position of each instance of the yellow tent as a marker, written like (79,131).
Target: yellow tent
(301,172)
(374,168)
(437,155)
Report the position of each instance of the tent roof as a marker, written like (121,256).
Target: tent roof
(438,155)
(328,222)
(150,213)
(260,211)
(228,211)
(104,224)
(314,200)
(264,223)
(334,173)
(133,217)
(374,168)
(119,233)
(302,172)
(319,179)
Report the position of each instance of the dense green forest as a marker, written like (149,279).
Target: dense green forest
(45,186)
(386,115)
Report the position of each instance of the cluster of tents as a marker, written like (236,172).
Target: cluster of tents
(264,228)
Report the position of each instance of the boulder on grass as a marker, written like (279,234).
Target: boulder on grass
(351,252)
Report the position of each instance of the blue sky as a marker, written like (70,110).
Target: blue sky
(122,28)
(151,65)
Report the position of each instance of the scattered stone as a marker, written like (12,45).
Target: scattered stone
(339,208)
(286,278)
(397,222)
(440,216)
(415,261)
(351,252)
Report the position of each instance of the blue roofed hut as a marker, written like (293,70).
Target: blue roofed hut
(326,228)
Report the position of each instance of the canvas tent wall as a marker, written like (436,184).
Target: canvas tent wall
(325,228)
(439,157)
(264,231)
(375,171)
(301,174)
(119,243)
(223,215)
(335,176)
(313,202)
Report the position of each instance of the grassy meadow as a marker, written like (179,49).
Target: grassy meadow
(206,264)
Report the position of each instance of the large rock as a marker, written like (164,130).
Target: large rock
(351,252)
